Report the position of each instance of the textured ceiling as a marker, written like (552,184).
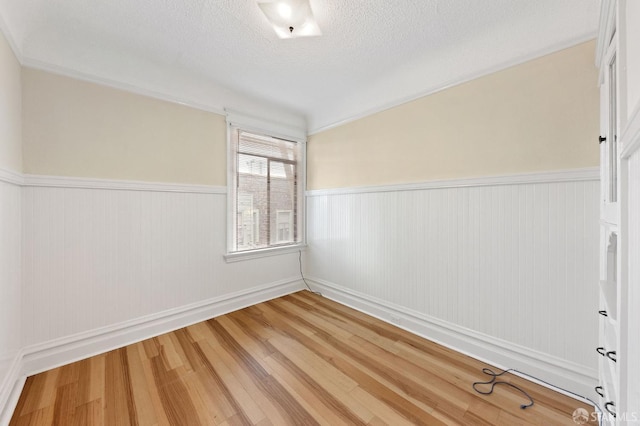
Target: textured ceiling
(222,53)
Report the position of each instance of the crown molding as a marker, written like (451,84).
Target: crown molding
(269,111)
(219,109)
(114,84)
(457,81)
(4,29)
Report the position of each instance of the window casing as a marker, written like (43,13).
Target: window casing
(265,191)
(612,134)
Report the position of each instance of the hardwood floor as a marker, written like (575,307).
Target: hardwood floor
(300,359)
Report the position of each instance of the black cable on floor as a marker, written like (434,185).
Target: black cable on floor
(557,387)
(302,275)
(493,382)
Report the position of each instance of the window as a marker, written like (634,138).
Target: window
(265,191)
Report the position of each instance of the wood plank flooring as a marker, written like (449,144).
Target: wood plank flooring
(300,359)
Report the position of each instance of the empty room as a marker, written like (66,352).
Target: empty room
(300,212)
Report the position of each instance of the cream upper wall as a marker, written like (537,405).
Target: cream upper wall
(80,129)
(10,109)
(538,116)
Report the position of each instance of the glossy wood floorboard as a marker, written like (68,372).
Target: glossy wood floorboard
(300,359)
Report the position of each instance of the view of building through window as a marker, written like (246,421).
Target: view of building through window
(266,198)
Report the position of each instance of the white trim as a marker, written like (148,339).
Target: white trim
(237,122)
(6,412)
(231,184)
(10,389)
(239,256)
(118,85)
(496,352)
(217,109)
(52,354)
(574,175)
(279,128)
(12,177)
(267,127)
(607,21)
(456,82)
(16,178)
(4,29)
(631,136)
(176,98)
(126,185)
(302,186)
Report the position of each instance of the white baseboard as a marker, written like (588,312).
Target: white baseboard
(553,372)
(501,354)
(38,358)
(10,389)
(63,351)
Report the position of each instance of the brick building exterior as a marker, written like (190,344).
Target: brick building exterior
(258,199)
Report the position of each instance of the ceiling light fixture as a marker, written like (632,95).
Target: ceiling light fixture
(290,18)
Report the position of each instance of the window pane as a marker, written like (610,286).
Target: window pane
(252,165)
(251,209)
(265,192)
(264,146)
(282,199)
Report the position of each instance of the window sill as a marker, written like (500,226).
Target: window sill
(240,256)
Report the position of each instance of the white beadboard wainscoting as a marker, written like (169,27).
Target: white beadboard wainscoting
(99,257)
(504,269)
(91,265)
(10,288)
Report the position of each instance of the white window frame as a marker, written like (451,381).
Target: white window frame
(239,121)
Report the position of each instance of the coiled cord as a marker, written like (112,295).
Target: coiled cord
(494,381)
